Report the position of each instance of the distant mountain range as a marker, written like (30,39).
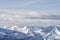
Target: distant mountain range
(30,33)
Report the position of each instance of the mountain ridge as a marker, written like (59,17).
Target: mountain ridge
(31,32)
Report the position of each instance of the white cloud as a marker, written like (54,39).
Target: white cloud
(27,17)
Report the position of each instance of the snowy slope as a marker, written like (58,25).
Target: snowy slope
(31,32)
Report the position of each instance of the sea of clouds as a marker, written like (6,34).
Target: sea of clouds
(10,16)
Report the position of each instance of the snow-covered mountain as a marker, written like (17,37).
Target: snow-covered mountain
(31,32)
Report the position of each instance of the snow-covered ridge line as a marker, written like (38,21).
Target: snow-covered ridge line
(42,32)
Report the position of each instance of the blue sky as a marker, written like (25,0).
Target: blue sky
(34,5)
(30,11)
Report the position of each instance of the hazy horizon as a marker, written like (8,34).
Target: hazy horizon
(42,12)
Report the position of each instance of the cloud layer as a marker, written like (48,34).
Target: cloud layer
(28,17)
